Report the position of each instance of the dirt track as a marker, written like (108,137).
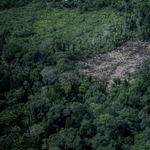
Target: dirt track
(119,63)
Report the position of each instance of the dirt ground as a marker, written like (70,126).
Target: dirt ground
(119,63)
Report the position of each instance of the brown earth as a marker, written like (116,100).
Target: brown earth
(119,63)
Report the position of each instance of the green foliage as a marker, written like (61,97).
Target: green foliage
(84,87)
(117,81)
(66,139)
(11,139)
(6,4)
(69,78)
(50,75)
(45,101)
(105,148)
(138,86)
(9,51)
(39,108)
(55,118)
(7,118)
(4,78)
(87,129)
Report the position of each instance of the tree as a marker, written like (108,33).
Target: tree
(66,139)
(69,78)
(55,117)
(99,140)
(38,108)
(4,78)
(84,87)
(87,129)
(74,120)
(35,131)
(117,81)
(11,139)
(138,86)
(7,118)
(50,75)
(142,140)
(64,65)
(9,51)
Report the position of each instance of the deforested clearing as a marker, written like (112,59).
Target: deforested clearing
(119,63)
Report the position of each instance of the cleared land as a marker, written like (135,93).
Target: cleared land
(119,63)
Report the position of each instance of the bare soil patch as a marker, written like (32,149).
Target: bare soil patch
(119,63)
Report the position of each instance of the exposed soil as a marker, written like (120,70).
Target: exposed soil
(119,63)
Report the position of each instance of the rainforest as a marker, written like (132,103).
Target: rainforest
(75,75)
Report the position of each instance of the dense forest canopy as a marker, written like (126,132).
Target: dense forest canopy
(46,103)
